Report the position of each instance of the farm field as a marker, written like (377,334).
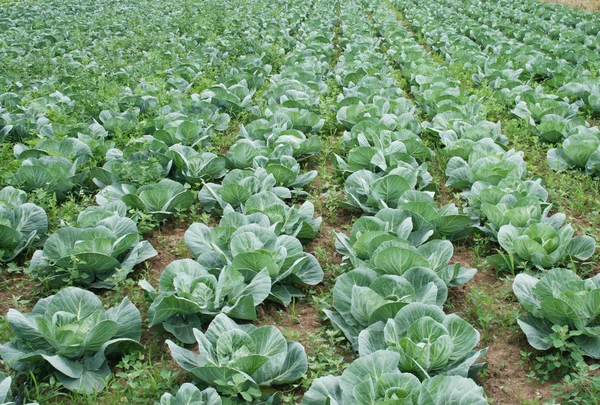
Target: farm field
(589,5)
(304,201)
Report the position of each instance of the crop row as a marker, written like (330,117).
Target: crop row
(554,13)
(510,68)
(254,254)
(396,272)
(255,250)
(167,148)
(56,100)
(569,69)
(576,45)
(513,209)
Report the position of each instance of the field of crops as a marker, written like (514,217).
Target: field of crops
(325,202)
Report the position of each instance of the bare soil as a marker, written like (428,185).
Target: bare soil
(166,242)
(300,321)
(19,286)
(505,379)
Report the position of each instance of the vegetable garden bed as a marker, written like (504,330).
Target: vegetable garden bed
(306,201)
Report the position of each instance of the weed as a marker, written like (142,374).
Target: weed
(492,309)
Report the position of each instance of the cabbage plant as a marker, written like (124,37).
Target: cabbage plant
(579,151)
(296,118)
(384,159)
(144,160)
(464,147)
(381,137)
(359,105)
(23,225)
(188,296)
(362,297)
(376,379)
(254,69)
(117,122)
(93,252)
(298,221)
(429,342)
(387,253)
(462,135)
(520,213)
(163,198)
(507,191)
(278,162)
(371,192)
(368,232)
(591,98)
(252,247)
(91,216)
(174,128)
(189,394)
(559,299)
(285,170)
(54,174)
(554,128)
(542,246)
(71,335)
(487,167)
(537,107)
(21,126)
(241,154)
(235,98)
(415,222)
(365,88)
(292,94)
(70,148)
(445,222)
(144,103)
(271,134)
(237,187)
(196,167)
(240,359)
(96,138)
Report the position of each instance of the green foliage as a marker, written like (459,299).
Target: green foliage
(188,295)
(105,244)
(71,334)
(5,391)
(189,394)
(239,359)
(371,192)
(362,298)
(578,151)
(560,306)
(135,100)
(160,199)
(248,245)
(237,187)
(23,225)
(54,174)
(428,341)
(542,245)
(376,378)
